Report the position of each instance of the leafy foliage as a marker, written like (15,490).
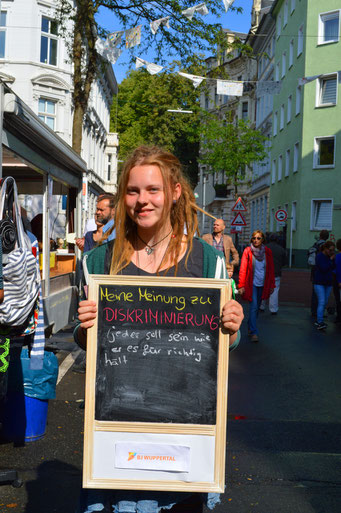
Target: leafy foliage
(184,39)
(141,116)
(230,147)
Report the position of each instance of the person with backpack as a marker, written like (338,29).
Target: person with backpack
(312,252)
(323,279)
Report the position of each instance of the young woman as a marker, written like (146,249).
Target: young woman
(323,279)
(256,278)
(155,204)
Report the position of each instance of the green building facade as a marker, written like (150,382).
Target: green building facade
(306,143)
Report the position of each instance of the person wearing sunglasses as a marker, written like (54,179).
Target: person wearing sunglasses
(256,278)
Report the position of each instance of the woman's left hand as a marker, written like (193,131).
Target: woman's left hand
(231,318)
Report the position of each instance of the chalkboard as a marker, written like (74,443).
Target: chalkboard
(157,354)
(156,381)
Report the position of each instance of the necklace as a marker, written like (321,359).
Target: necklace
(162,259)
(150,248)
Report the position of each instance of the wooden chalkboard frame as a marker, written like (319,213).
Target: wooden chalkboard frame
(216,433)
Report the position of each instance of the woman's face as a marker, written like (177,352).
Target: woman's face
(257,240)
(145,196)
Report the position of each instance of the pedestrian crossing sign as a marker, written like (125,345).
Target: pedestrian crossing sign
(239,206)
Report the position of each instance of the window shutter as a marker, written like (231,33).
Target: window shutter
(323,218)
(329,91)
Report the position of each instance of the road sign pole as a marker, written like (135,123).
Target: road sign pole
(290,250)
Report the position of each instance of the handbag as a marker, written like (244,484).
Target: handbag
(21,276)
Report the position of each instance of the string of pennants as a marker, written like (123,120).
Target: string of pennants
(108,48)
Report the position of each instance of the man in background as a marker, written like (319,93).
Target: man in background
(104,216)
(222,242)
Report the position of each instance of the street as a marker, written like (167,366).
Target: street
(284,426)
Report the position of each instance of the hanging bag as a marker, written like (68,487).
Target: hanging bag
(21,277)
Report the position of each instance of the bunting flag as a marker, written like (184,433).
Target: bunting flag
(200,8)
(107,51)
(306,80)
(154,25)
(229,88)
(227,4)
(151,67)
(195,78)
(101,46)
(112,54)
(269,87)
(133,36)
(115,37)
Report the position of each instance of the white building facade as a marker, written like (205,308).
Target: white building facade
(34,62)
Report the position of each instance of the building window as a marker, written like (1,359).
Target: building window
(291,53)
(293,5)
(321,214)
(272,217)
(49,41)
(279,25)
(284,64)
(206,102)
(329,27)
(281,121)
(47,112)
(293,215)
(109,167)
(300,41)
(3,17)
(289,109)
(280,167)
(286,9)
(277,72)
(287,162)
(245,110)
(273,175)
(298,100)
(324,152)
(327,91)
(275,123)
(296,155)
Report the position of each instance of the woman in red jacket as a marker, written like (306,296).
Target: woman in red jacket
(256,278)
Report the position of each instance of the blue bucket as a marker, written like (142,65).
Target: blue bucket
(24,418)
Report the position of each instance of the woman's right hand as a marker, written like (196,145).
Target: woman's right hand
(241,290)
(87,313)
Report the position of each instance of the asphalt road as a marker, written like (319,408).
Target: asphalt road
(284,427)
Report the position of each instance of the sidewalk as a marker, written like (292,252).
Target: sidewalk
(295,287)
(284,424)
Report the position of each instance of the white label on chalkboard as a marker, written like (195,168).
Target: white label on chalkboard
(140,456)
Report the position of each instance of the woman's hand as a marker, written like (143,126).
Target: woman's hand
(241,290)
(87,313)
(231,318)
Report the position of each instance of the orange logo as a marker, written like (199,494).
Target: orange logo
(131,455)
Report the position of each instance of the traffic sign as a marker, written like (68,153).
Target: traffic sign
(239,206)
(281,215)
(204,194)
(238,220)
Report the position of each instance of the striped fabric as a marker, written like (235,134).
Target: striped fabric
(21,287)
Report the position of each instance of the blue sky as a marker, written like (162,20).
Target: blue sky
(230,20)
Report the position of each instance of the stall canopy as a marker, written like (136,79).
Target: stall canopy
(43,164)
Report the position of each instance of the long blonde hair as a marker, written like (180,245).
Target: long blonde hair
(182,213)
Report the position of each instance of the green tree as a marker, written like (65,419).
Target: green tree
(141,116)
(184,39)
(230,147)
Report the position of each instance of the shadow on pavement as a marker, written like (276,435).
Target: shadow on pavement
(55,489)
